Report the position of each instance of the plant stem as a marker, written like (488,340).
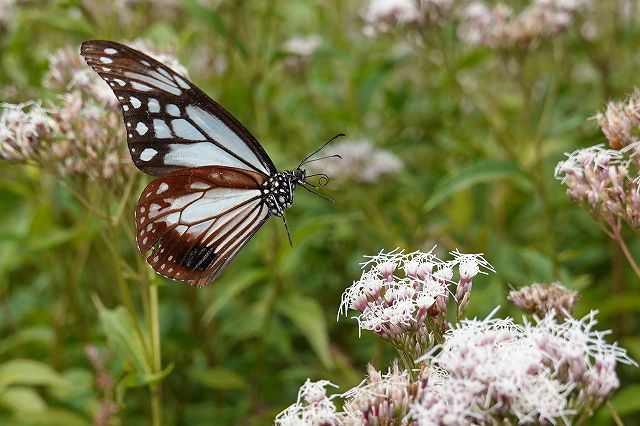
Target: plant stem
(617,235)
(154,326)
(616,418)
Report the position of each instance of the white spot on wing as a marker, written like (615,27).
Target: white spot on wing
(147,155)
(135,102)
(216,202)
(110,51)
(120,82)
(154,82)
(161,77)
(222,134)
(140,86)
(161,129)
(105,60)
(125,107)
(199,185)
(239,232)
(164,73)
(141,128)
(163,187)
(173,110)
(181,82)
(145,63)
(200,154)
(154,105)
(183,129)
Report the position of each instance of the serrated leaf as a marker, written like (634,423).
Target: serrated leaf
(482,171)
(29,372)
(307,315)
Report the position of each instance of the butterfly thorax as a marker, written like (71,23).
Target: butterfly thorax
(278,190)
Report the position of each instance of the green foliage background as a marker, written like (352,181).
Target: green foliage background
(479,130)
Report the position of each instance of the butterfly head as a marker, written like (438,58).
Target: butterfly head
(299,176)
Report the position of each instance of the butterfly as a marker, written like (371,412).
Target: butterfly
(216,185)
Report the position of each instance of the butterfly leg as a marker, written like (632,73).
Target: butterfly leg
(287,228)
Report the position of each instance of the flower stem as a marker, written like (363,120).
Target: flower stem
(617,235)
(616,418)
(154,326)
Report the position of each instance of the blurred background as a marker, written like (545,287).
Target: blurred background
(456,114)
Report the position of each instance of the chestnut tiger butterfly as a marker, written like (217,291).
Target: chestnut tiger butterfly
(216,185)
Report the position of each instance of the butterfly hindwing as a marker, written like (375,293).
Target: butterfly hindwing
(170,123)
(196,220)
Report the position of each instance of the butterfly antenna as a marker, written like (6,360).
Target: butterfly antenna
(287,228)
(320,149)
(323,181)
(317,193)
(323,158)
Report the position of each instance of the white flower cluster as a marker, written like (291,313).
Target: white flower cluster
(399,291)
(497,27)
(7,10)
(360,162)
(300,50)
(541,373)
(383,15)
(312,408)
(490,371)
(21,128)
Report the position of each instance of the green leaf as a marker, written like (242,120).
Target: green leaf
(49,417)
(307,315)
(124,337)
(541,266)
(20,398)
(27,336)
(370,82)
(134,380)
(627,302)
(228,292)
(29,372)
(482,171)
(213,19)
(218,378)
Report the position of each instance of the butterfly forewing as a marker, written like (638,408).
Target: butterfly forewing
(170,123)
(196,220)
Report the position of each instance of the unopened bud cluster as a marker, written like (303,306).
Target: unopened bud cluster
(604,182)
(540,299)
